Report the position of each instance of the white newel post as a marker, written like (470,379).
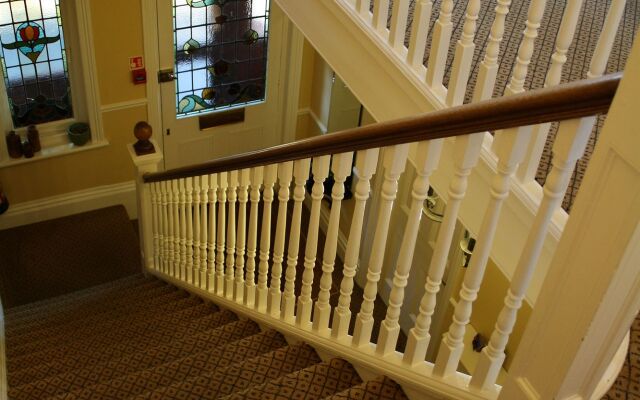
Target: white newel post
(148,163)
(591,293)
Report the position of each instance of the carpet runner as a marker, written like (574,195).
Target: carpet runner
(140,338)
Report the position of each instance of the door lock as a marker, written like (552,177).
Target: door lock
(166,75)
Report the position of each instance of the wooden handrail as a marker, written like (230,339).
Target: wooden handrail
(572,100)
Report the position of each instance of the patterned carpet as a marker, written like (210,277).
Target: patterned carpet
(578,58)
(139,338)
(72,254)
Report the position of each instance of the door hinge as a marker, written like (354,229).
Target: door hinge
(166,75)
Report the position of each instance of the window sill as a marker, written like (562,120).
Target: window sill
(53,151)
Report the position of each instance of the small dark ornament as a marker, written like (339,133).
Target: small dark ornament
(221,19)
(220,68)
(14,145)
(34,138)
(479,342)
(27,149)
(143,133)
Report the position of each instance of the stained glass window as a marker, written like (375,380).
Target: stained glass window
(34,63)
(221,53)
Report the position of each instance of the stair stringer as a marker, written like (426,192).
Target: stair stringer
(417,382)
(340,36)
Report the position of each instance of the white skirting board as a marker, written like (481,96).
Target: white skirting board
(71,203)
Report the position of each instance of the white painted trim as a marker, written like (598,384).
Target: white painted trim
(291,62)
(416,379)
(308,111)
(124,105)
(152,63)
(52,152)
(71,203)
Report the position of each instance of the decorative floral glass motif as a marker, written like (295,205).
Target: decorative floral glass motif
(34,63)
(221,53)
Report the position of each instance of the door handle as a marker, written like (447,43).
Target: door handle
(166,75)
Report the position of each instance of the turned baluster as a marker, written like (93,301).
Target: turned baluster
(301,174)
(285,172)
(155,210)
(320,170)
(188,182)
(464,56)
(175,246)
(204,201)
(166,229)
(488,69)
(231,234)
(568,147)
(399,16)
(170,255)
(366,163)
(211,258)
(222,224)
(270,177)
(183,229)
(341,168)
(195,275)
(510,147)
(525,51)
(243,197)
(380,15)
(428,156)
(607,37)
(363,6)
(252,241)
(395,159)
(466,155)
(440,45)
(419,33)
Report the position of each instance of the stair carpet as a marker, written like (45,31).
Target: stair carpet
(140,338)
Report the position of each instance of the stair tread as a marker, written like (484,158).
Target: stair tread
(134,376)
(129,336)
(138,352)
(316,382)
(79,308)
(94,327)
(380,388)
(238,376)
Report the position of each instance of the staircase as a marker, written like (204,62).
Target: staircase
(140,338)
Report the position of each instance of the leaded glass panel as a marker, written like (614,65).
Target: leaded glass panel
(34,62)
(220,52)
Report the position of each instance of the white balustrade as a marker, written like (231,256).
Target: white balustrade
(362,6)
(488,70)
(395,159)
(157,230)
(366,163)
(466,156)
(165,226)
(419,34)
(175,230)
(183,229)
(197,231)
(270,177)
(341,167)
(569,146)
(440,45)
(222,222)
(243,198)
(510,147)
(399,15)
(380,16)
(252,241)
(320,170)
(285,174)
(211,258)
(188,182)
(204,201)
(464,56)
(300,174)
(428,157)
(231,234)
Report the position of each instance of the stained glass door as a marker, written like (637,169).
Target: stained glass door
(223,57)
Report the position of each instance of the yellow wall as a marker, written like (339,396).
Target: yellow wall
(117,36)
